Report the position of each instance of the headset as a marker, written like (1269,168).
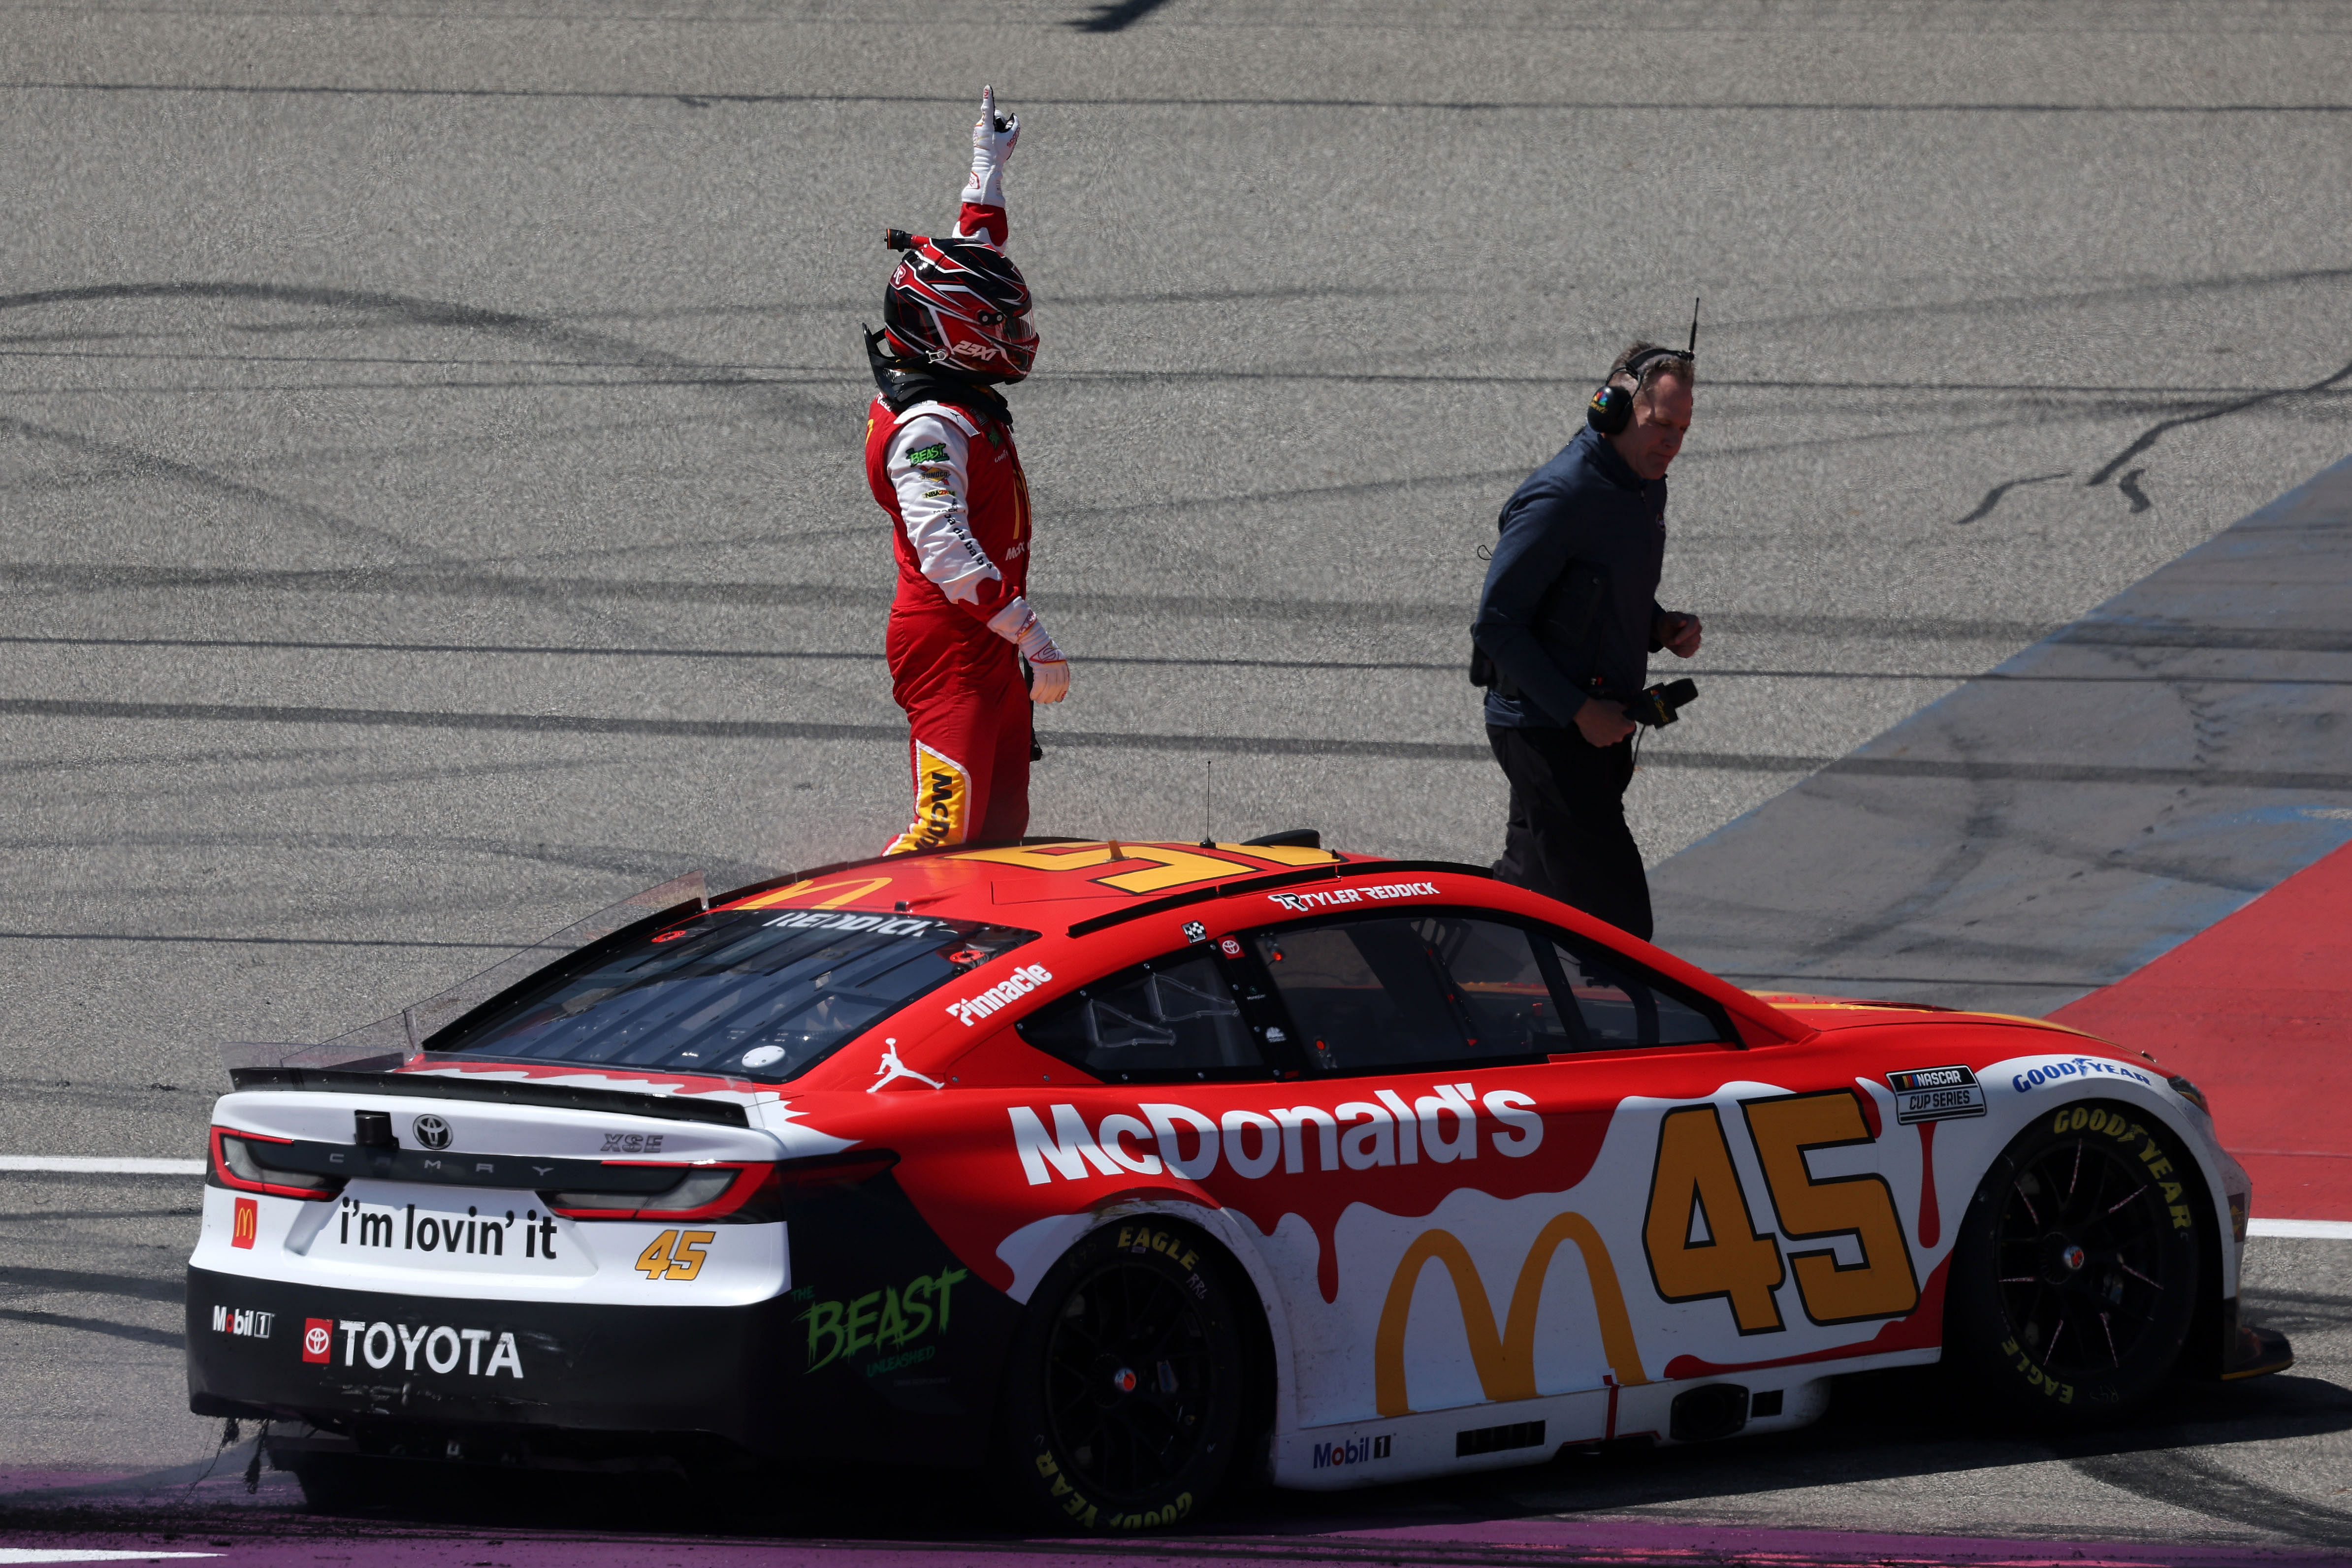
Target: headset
(1612,408)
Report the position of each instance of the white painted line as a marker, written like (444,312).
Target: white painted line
(2306,1230)
(68,1164)
(82,1555)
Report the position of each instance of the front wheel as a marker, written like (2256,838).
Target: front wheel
(2075,1276)
(1123,1403)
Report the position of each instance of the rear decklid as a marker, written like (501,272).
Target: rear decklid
(417,1185)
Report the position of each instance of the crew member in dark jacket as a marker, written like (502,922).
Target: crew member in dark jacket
(1568,620)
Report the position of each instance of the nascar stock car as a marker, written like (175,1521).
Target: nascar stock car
(1136,1169)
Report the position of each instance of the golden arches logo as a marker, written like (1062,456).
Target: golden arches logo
(838,894)
(1506,1361)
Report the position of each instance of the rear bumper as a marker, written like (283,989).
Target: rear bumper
(351,1360)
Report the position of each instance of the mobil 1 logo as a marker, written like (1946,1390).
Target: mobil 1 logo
(1936,1095)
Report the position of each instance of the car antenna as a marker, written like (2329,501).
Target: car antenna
(1208,779)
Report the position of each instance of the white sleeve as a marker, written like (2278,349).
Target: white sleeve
(927,462)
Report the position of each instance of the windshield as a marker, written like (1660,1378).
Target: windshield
(758,994)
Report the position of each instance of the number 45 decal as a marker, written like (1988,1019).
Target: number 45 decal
(675,1255)
(1702,1239)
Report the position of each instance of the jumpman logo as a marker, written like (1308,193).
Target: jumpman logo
(891,1068)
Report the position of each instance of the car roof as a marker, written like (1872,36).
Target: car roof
(1075,887)
(1054,881)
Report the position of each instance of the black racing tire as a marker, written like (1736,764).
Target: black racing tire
(1124,1393)
(2075,1275)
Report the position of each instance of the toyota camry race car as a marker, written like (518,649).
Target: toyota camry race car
(1131,1169)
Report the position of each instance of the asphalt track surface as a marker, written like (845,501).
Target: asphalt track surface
(429,440)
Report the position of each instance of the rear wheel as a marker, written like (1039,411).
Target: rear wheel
(2075,1275)
(1123,1405)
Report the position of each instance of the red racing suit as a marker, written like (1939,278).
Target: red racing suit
(950,478)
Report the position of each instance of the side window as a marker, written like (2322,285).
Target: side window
(1499,984)
(1621,1005)
(1171,1018)
(1383,995)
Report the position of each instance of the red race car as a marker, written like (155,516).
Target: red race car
(1132,1169)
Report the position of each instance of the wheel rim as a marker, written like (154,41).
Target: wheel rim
(2080,1257)
(1127,1380)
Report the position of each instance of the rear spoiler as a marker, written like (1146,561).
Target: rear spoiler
(509,1090)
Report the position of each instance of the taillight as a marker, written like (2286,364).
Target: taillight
(726,1193)
(240,1160)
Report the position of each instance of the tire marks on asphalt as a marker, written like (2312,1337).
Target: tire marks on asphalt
(168,1338)
(469,583)
(1992,497)
(2197,1484)
(16,1280)
(2157,432)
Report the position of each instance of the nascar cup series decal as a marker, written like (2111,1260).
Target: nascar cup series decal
(1936,1095)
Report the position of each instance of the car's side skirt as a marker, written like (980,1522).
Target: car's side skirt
(1531,1431)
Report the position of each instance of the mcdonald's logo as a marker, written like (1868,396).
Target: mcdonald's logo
(1506,1361)
(804,893)
(248,1224)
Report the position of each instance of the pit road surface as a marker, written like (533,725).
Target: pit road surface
(433,507)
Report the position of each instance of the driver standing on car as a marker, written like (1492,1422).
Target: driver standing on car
(964,641)
(1565,625)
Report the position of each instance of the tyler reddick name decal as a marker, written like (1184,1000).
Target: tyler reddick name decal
(532,1239)
(1378,892)
(1448,1123)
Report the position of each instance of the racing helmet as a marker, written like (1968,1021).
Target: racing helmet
(961,305)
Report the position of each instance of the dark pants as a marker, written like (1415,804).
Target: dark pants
(1567,837)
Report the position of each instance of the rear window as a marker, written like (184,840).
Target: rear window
(759,994)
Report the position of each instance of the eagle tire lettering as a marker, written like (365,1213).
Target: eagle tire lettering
(2076,1273)
(1146,1323)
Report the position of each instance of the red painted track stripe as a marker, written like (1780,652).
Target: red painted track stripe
(2258,1010)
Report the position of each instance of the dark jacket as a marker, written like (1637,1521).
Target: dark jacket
(1570,598)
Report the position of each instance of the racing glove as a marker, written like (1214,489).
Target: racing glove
(991,148)
(1049,668)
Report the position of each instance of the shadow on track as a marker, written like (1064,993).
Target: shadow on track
(1886,1427)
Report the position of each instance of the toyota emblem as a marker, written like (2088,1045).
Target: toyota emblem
(432,1133)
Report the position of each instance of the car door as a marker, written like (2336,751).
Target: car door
(1431,1146)
(1748,1191)
(1577,1184)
